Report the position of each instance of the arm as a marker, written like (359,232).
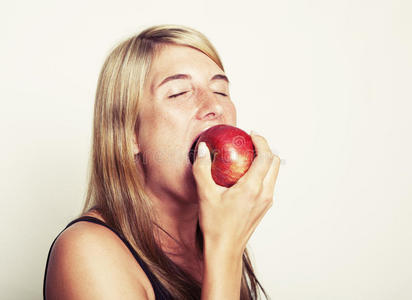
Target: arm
(222,274)
(229,216)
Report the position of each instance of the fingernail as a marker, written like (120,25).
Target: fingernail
(202,149)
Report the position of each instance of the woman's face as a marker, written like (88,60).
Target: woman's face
(185,93)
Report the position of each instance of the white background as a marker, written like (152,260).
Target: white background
(328,83)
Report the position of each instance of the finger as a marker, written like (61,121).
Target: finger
(274,176)
(266,196)
(270,180)
(202,169)
(261,163)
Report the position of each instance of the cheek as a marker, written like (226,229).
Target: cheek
(230,111)
(162,142)
(162,155)
(161,124)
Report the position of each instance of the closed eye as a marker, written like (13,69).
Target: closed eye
(182,93)
(177,95)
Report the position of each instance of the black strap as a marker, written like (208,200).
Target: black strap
(159,291)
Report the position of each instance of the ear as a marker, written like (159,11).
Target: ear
(135,145)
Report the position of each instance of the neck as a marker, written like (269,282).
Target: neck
(177,223)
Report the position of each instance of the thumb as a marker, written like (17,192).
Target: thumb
(202,166)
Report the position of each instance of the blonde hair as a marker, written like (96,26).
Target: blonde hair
(115,187)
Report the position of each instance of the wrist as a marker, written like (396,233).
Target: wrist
(223,250)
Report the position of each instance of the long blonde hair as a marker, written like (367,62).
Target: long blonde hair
(116,183)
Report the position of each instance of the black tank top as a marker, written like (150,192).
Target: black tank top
(160,292)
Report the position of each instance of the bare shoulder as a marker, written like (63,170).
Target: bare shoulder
(89,261)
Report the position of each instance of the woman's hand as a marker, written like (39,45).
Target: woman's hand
(229,216)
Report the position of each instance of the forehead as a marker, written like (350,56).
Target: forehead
(173,59)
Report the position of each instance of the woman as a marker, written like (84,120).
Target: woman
(154,226)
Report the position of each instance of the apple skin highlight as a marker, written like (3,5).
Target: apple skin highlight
(231,150)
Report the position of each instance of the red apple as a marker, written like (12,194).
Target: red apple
(231,150)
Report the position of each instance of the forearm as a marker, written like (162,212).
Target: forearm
(222,273)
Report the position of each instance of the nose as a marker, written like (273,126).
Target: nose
(210,107)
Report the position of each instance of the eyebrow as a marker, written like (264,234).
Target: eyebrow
(186,76)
